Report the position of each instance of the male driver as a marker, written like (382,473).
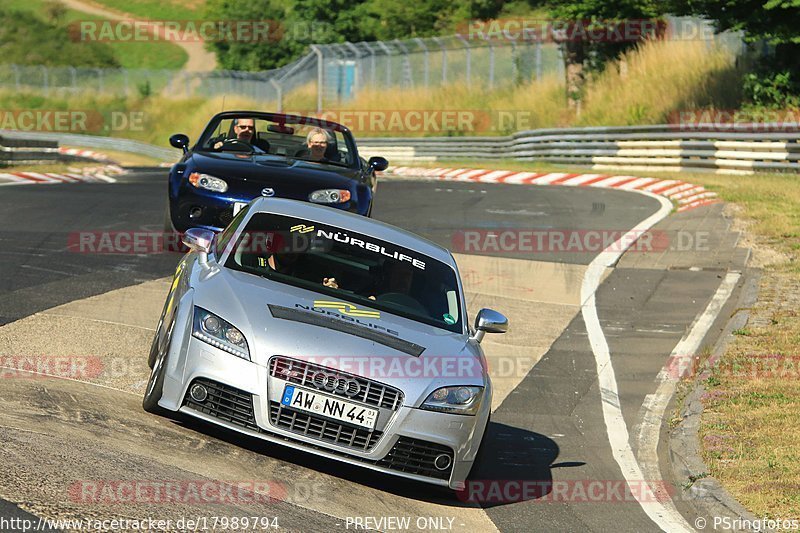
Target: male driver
(245,130)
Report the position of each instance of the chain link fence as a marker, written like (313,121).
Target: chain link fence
(336,73)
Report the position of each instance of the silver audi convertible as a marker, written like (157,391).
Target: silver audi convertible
(330,333)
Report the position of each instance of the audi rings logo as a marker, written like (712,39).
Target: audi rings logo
(337,384)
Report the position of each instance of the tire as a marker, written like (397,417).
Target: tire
(168,227)
(151,359)
(155,385)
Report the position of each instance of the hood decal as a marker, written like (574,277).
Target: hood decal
(328,320)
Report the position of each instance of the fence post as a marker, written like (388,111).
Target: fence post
(388,56)
(468,57)
(46,80)
(538,59)
(491,63)
(444,58)
(408,77)
(426,62)
(320,75)
(73,75)
(15,68)
(279,91)
(357,79)
(514,70)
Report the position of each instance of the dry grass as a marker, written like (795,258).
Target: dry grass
(658,79)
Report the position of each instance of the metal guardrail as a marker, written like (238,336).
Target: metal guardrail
(26,151)
(636,148)
(648,148)
(169,155)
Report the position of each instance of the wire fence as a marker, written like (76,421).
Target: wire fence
(336,73)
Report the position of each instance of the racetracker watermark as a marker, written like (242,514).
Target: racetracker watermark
(124,242)
(576,241)
(429,366)
(762,366)
(169,492)
(736,121)
(561,30)
(402,121)
(72,121)
(207,30)
(567,491)
(77,367)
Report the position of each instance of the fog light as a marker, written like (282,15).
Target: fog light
(442,462)
(199,393)
(195,212)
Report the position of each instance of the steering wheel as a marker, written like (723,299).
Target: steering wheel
(236,145)
(402,300)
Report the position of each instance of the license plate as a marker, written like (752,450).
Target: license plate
(237,206)
(323,405)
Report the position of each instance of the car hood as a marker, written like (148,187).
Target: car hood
(270,170)
(279,319)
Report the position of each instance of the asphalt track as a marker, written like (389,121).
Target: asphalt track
(549,428)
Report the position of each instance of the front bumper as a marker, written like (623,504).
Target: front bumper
(245,397)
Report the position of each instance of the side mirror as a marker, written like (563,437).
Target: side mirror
(489,321)
(179,140)
(378,163)
(199,240)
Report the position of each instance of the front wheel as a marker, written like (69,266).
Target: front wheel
(155,385)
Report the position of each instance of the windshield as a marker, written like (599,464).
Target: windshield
(289,139)
(348,266)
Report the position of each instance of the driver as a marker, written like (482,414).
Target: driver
(245,130)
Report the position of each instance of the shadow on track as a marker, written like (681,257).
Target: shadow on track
(511,454)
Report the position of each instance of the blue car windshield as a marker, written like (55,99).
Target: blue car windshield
(349,266)
(257,136)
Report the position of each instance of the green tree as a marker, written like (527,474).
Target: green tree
(776,81)
(583,48)
(306,22)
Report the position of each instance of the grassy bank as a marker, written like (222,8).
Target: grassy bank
(152,55)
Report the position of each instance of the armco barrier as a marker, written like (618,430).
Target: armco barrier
(21,151)
(740,148)
(96,142)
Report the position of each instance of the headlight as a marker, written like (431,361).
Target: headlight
(329,196)
(462,400)
(210,328)
(204,181)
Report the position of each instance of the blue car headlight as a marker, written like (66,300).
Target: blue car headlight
(210,183)
(459,400)
(210,328)
(329,196)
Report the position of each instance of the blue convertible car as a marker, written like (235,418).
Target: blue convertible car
(242,155)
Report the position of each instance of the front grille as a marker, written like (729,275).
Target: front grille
(225,403)
(412,456)
(371,393)
(416,456)
(321,428)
